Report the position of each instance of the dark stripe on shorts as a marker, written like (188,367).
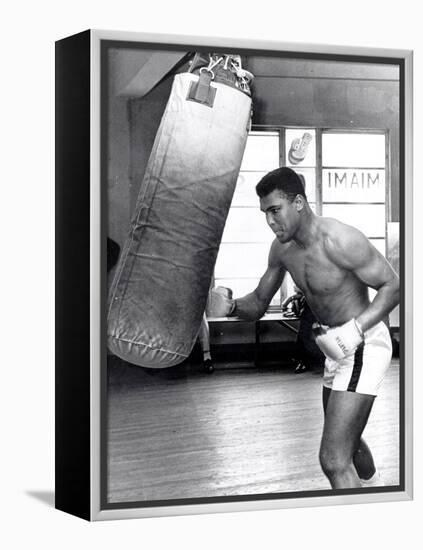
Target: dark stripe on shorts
(358,365)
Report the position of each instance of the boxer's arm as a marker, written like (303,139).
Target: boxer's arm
(351,250)
(254,305)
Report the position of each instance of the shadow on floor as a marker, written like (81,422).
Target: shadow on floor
(46,497)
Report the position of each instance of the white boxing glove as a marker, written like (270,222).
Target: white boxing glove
(220,302)
(338,342)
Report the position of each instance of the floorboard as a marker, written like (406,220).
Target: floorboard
(182,433)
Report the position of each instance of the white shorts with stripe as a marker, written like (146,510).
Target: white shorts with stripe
(364,371)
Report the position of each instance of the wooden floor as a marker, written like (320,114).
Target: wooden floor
(182,433)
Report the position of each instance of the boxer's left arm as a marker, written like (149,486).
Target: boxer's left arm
(351,250)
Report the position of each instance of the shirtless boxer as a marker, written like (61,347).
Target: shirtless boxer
(334,265)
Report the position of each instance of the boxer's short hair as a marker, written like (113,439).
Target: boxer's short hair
(283,179)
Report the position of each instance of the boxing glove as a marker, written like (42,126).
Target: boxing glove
(220,302)
(338,342)
(294,304)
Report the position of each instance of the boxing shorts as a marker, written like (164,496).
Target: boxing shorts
(364,371)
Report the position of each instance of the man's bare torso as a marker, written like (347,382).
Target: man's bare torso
(334,294)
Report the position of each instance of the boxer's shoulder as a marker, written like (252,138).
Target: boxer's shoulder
(341,241)
(331,227)
(336,233)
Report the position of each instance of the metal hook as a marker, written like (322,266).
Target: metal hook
(207,70)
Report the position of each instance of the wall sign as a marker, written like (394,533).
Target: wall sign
(353,185)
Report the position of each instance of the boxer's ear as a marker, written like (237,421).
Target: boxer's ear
(299,202)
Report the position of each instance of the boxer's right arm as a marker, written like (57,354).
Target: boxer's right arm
(254,305)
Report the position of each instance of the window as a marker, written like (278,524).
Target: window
(246,240)
(353,182)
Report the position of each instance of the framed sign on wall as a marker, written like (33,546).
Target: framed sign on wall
(203,187)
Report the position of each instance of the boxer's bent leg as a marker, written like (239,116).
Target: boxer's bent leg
(346,417)
(362,459)
(350,389)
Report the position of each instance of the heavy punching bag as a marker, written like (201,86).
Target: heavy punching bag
(159,293)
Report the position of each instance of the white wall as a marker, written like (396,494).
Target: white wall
(26,405)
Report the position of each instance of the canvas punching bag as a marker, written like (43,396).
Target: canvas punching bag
(159,292)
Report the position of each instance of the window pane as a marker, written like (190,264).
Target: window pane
(241,260)
(393,230)
(300,147)
(261,152)
(372,294)
(247,225)
(245,191)
(310,182)
(276,300)
(355,150)
(380,245)
(353,185)
(288,287)
(369,218)
(394,259)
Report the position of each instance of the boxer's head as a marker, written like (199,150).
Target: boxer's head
(285,180)
(282,199)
